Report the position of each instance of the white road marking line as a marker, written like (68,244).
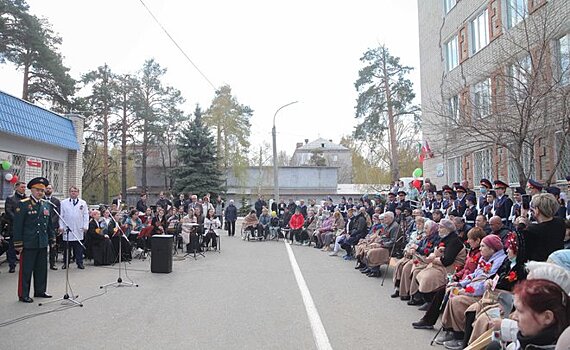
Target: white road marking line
(319,334)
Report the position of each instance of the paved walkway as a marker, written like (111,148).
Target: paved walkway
(246,297)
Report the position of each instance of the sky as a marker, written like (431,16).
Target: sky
(269,52)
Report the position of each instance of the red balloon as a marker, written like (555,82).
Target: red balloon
(14,179)
(417,184)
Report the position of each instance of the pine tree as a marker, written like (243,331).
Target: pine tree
(198,171)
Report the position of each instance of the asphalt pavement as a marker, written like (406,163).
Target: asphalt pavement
(245,297)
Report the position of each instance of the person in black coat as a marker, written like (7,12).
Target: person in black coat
(230,214)
(100,244)
(357,232)
(141,204)
(53,248)
(540,240)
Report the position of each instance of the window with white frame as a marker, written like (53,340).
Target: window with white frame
(53,171)
(482,165)
(517,10)
(482,98)
(453,108)
(479,31)
(448,5)
(451,54)
(564,58)
(454,166)
(527,160)
(520,72)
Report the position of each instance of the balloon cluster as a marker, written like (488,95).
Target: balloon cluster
(11,178)
(416,174)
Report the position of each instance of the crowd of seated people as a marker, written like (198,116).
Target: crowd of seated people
(464,259)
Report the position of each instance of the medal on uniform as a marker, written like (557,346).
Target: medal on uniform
(46,212)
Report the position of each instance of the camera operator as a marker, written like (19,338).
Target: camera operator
(12,203)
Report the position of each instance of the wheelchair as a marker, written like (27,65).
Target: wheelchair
(252,235)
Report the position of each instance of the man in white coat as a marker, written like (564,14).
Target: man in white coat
(75,212)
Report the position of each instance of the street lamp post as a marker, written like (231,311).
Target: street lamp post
(275,171)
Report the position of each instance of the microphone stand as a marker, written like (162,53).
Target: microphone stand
(68,296)
(120,281)
(194,248)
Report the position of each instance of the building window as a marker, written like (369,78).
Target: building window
(517,10)
(527,163)
(480,31)
(448,5)
(482,98)
(520,72)
(564,59)
(564,166)
(335,158)
(482,165)
(451,54)
(454,167)
(53,171)
(453,108)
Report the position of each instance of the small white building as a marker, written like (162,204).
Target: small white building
(334,155)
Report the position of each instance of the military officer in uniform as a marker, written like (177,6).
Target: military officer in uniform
(516,209)
(10,205)
(503,203)
(534,187)
(391,204)
(486,186)
(460,202)
(470,214)
(53,248)
(33,231)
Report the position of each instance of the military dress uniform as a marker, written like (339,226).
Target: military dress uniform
(33,230)
(502,206)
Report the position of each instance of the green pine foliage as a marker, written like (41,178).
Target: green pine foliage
(198,171)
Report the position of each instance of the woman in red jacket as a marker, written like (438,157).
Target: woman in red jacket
(296,225)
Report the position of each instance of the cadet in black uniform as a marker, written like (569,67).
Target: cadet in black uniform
(33,230)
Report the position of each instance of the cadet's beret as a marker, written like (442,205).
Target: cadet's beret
(500,184)
(486,183)
(460,188)
(440,192)
(492,193)
(402,192)
(391,194)
(446,188)
(470,198)
(553,190)
(38,182)
(535,184)
(520,190)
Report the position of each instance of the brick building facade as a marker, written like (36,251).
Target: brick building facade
(465,45)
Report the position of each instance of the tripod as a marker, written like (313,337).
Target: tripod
(120,281)
(68,296)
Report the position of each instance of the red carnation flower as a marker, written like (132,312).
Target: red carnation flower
(441,245)
(430,244)
(469,289)
(487,267)
(426,251)
(416,262)
(512,276)
(457,268)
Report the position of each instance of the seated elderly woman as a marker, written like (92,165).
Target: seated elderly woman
(296,224)
(309,227)
(449,253)
(509,273)
(250,223)
(326,226)
(468,291)
(338,225)
(101,246)
(274,226)
(474,237)
(371,240)
(405,276)
(412,242)
(380,254)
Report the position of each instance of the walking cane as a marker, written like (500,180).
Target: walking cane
(390,258)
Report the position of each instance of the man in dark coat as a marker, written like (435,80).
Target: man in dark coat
(33,230)
(357,232)
(12,203)
(259,204)
(503,203)
(141,204)
(230,214)
(55,222)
